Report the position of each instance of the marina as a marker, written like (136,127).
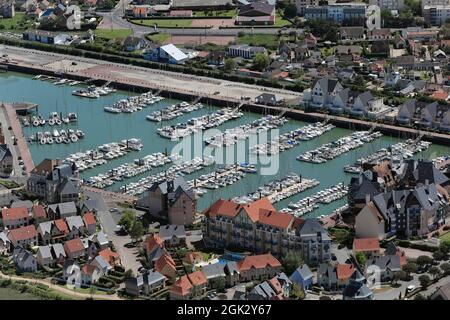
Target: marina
(292,138)
(198,124)
(57,136)
(55,119)
(109,127)
(396,152)
(173,111)
(231,136)
(133,104)
(336,148)
(311,203)
(279,189)
(102,154)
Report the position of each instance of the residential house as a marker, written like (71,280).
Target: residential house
(168,53)
(379,34)
(171,200)
(54,182)
(148,283)
(258,267)
(352,33)
(370,223)
(61,210)
(59,255)
(232,273)
(75,225)
(23,236)
(90,205)
(245,51)
(215,274)
(193,258)
(322,93)
(44,256)
(90,248)
(6,161)
(166,266)
(74,248)
(392,78)
(111,257)
(382,268)
(260,228)
(101,264)
(24,260)
(189,286)
(39,214)
(334,277)
(370,247)
(134,43)
(101,240)
(393,250)
(356,290)
(173,235)
(276,288)
(90,223)
(90,274)
(303,277)
(269,99)
(153,247)
(15,217)
(256,13)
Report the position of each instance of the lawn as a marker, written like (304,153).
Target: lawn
(165,23)
(219,13)
(445,237)
(158,37)
(269,41)
(9,184)
(280,21)
(12,24)
(112,34)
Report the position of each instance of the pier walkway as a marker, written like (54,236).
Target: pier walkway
(22,146)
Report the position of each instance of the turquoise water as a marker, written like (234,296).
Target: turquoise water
(101,127)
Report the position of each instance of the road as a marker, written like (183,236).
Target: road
(115,20)
(64,290)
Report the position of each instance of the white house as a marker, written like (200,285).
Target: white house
(167,53)
(323,93)
(369,223)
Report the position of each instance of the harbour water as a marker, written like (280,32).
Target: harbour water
(101,127)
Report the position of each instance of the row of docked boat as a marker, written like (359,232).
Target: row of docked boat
(292,138)
(134,103)
(309,204)
(231,136)
(57,136)
(176,170)
(219,178)
(56,81)
(336,148)
(130,169)
(396,152)
(102,154)
(199,124)
(173,111)
(279,189)
(54,119)
(93,92)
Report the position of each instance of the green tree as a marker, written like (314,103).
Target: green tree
(423,261)
(127,220)
(297,292)
(400,275)
(92,291)
(291,262)
(261,61)
(445,267)
(419,297)
(361,258)
(290,11)
(444,247)
(434,271)
(424,280)
(410,267)
(230,64)
(128,274)
(438,255)
(137,231)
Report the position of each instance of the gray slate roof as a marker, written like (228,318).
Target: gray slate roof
(169,231)
(214,270)
(304,272)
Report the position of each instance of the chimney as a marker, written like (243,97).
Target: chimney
(367,198)
(427,182)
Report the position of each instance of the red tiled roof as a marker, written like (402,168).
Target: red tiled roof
(276,285)
(164,261)
(276,219)
(366,244)
(440,95)
(89,219)
(182,286)
(139,10)
(61,225)
(152,241)
(192,256)
(197,278)
(39,211)
(11,214)
(74,245)
(109,255)
(344,271)
(22,233)
(258,262)
(88,269)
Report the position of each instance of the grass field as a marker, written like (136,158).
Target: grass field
(13,23)
(112,34)
(165,23)
(267,40)
(445,237)
(219,13)
(280,21)
(9,184)
(158,37)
